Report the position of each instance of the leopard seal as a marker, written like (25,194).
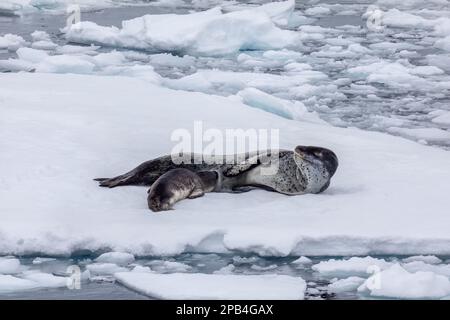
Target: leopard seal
(306,169)
(178,184)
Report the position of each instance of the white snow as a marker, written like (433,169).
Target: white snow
(80,127)
(214,286)
(119,258)
(208,32)
(396,282)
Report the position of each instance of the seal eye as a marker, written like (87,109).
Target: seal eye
(318,154)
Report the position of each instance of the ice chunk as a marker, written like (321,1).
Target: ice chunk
(214,286)
(11,42)
(443,119)
(10,283)
(317,11)
(32,55)
(70,49)
(65,64)
(39,260)
(46,280)
(168,266)
(350,267)
(426,259)
(228,269)
(104,268)
(284,108)
(10,266)
(396,282)
(346,284)
(442,269)
(119,258)
(208,33)
(302,260)
(44,45)
(40,36)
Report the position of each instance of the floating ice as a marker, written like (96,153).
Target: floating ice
(352,266)
(284,108)
(10,283)
(164,266)
(10,266)
(214,286)
(104,268)
(396,282)
(346,284)
(208,32)
(425,259)
(302,260)
(11,42)
(119,258)
(93,116)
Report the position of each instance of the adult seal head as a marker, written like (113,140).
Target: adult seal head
(306,169)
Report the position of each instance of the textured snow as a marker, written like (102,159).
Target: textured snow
(102,126)
(214,286)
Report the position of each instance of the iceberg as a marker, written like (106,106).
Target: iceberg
(207,33)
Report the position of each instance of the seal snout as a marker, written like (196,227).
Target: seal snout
(313,154)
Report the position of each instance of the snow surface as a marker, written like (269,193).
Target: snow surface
(214,286)
(68,129)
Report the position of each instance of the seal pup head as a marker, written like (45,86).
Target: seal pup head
(317,165)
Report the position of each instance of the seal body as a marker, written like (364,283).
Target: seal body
(178,184)
(306,169)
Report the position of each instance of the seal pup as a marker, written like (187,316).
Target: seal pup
(306,169)
(178,184)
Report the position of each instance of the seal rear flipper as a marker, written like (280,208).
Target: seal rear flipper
(196,193)
(116,181)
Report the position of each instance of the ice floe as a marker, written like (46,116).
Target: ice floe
(396,282)
(358,214)
(209,32)
(119,258)
(214,286)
